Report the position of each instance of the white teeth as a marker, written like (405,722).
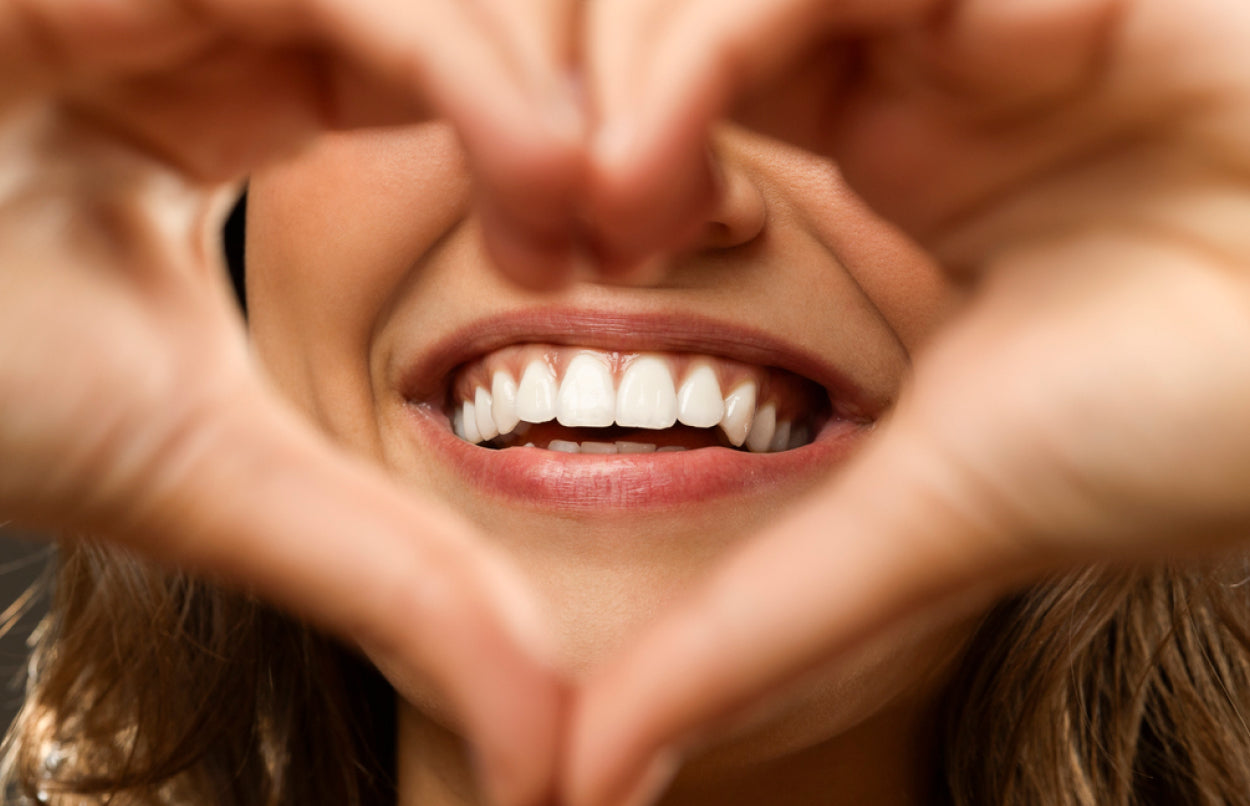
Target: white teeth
(646,398)
(485,420)
(536,396)
(470,423)
(634,447)
(586,397)
(699,401)
(739,411)
(762,429)
(503,402)
(781,437)
(670,449)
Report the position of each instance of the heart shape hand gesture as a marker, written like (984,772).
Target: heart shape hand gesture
(1083,168)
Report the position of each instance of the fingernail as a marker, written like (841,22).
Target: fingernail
(660,771)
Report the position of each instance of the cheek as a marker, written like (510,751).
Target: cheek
(906,285)
(333,236)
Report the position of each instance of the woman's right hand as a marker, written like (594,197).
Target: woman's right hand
(130,407)
(1081,165)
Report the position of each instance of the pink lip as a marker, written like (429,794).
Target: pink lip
(545,480)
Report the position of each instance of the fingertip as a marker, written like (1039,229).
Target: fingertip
(528,180)
(522,615)
(533,258)
(655,776)
(620,779)
(614,145)
(522,768)
(646,196)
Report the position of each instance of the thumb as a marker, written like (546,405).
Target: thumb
(885,538)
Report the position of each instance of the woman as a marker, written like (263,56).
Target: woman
(391,329)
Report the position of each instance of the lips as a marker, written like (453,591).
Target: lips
(584,411)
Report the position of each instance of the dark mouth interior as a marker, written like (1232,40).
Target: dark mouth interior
(678,436)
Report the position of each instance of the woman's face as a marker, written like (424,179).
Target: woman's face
(375,308)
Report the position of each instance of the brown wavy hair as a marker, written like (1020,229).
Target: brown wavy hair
(151,687)
(1106,687)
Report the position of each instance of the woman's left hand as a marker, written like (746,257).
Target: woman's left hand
(1083,165)
(131,408)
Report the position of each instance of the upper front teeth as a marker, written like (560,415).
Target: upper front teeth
(588,395)
(646,398)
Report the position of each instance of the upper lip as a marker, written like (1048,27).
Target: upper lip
(425,378)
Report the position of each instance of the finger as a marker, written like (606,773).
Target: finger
(256,497)
(800,69)
(890,536)
(498,70)
(155,431)
(661,74)
(529,226)
(501,76)
(46,45)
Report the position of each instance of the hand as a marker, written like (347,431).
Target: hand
(1083,165)
(129,405)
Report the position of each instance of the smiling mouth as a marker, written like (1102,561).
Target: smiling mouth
(585,401)
(502,404)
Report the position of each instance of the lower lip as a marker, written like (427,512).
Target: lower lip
(543,479)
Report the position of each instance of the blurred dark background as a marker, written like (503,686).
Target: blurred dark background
(23,560)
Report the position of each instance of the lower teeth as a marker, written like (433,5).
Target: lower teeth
(605,448)
(615,440)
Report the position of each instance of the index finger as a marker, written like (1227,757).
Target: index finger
(498,71)
(663,72)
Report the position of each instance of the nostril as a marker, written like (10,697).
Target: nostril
(716,233)
(739,215)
